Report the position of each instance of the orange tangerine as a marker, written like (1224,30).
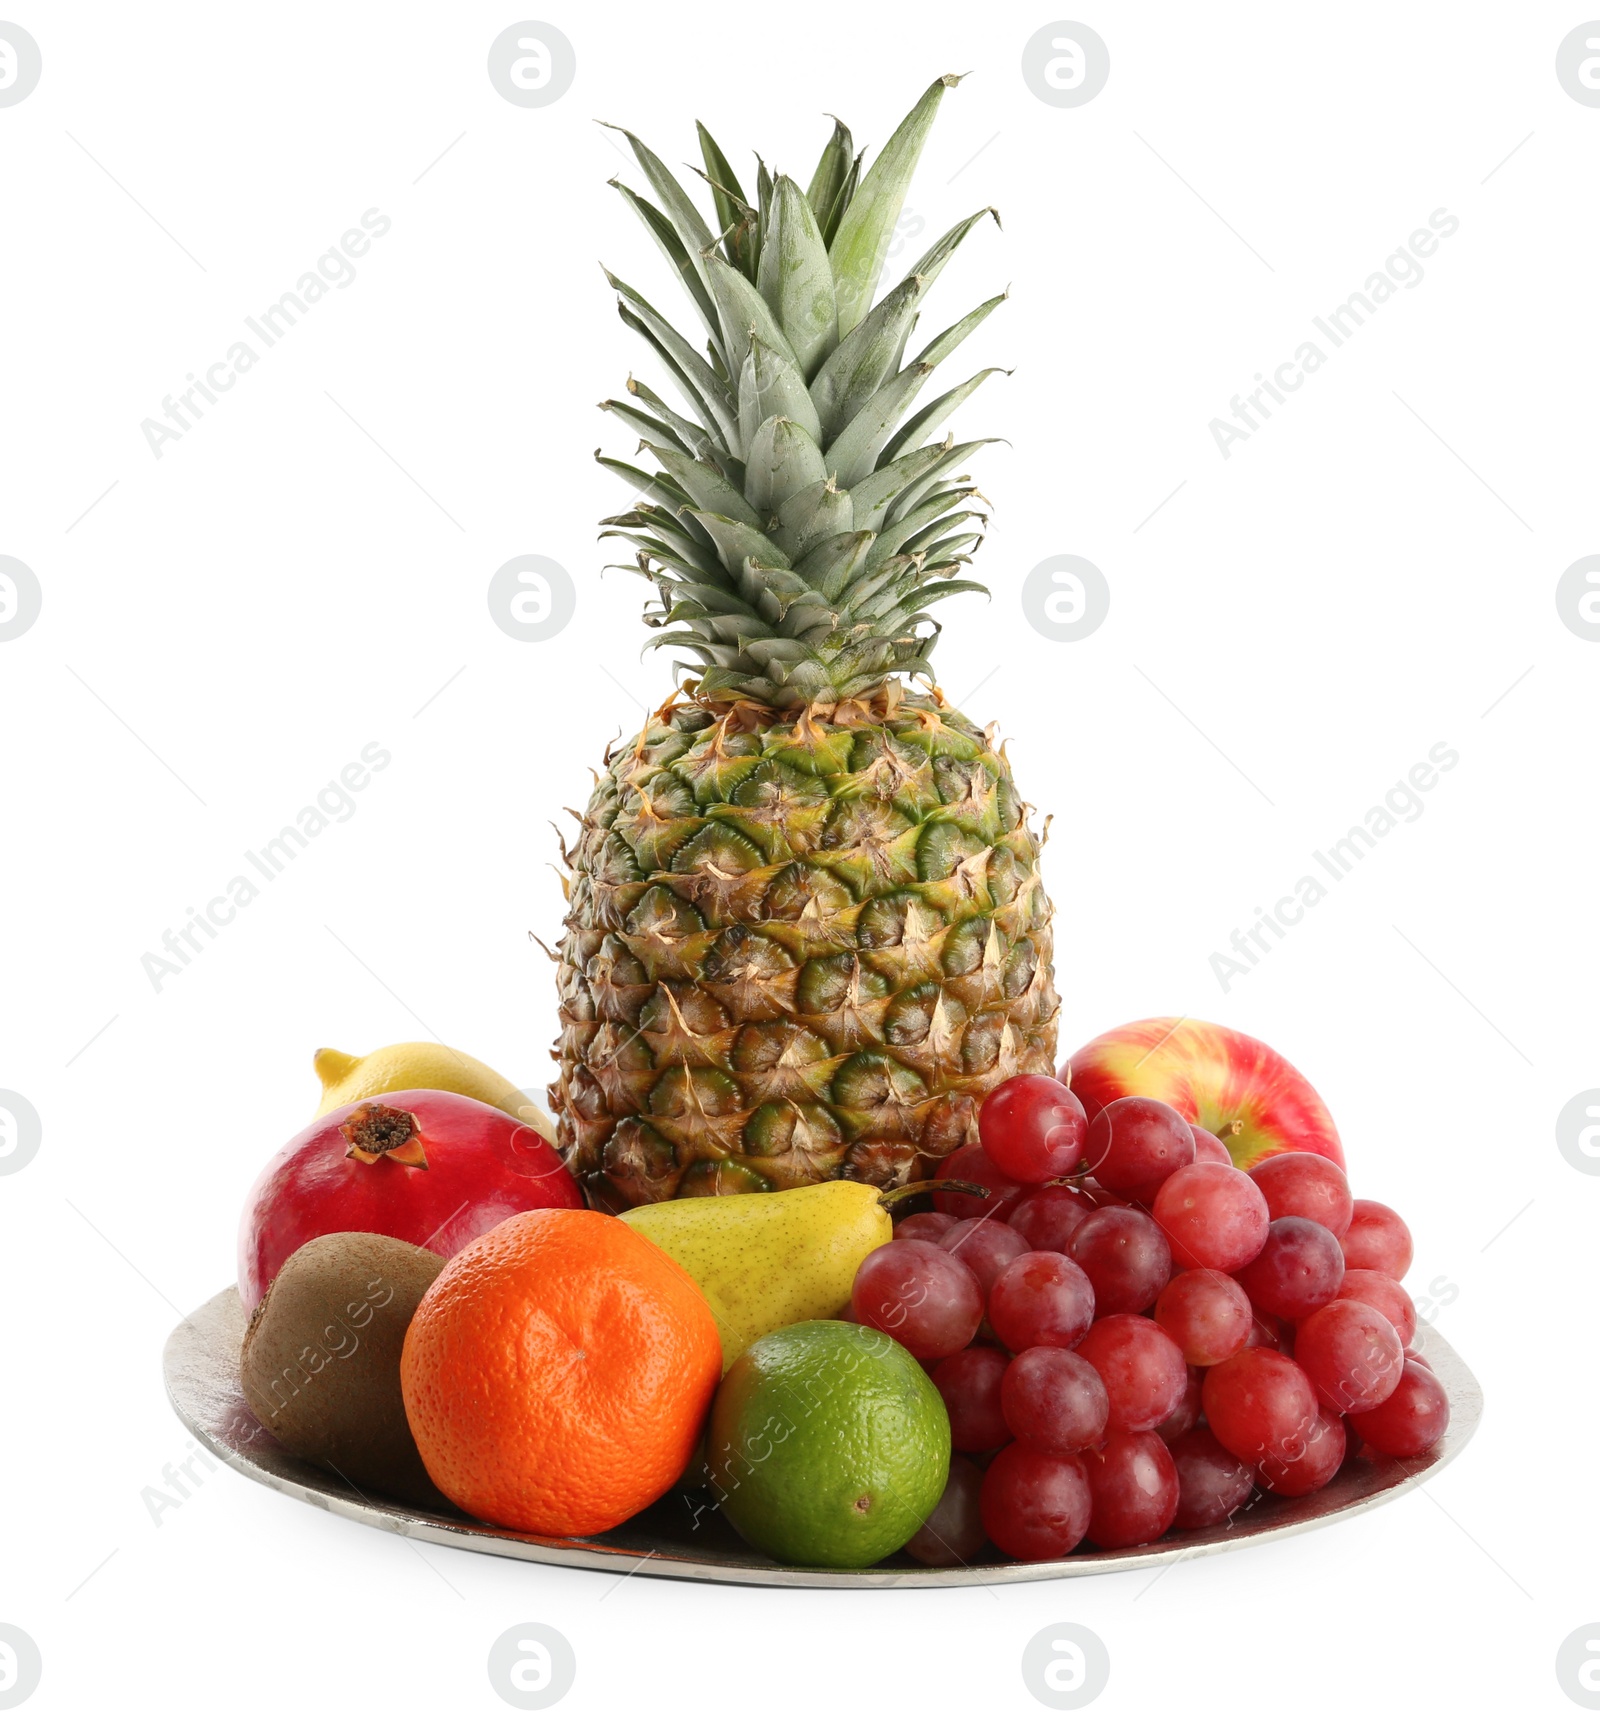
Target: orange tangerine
(558,1373)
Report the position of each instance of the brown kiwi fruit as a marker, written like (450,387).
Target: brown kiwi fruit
(320,1365)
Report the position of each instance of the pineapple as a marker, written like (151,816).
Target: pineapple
(807,931)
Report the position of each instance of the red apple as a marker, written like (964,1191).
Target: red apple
(434,1169)
(1228,1083)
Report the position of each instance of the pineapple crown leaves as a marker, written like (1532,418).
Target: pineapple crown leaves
(798,517)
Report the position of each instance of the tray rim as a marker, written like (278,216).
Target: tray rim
(1466,1397)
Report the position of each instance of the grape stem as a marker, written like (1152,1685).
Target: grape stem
(921,1187)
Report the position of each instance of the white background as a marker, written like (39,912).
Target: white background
(1289,633)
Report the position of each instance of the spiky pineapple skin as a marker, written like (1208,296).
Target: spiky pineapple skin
(796,951)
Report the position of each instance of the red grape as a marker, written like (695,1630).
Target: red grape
(1134,1143)
(1377,1239)
(1413,1419)
(1135,1490)
(1049,1217)
(1214,1217)
(973,1165)
(985,1247)
(1207,1314)
(1260,1404)
(954,1532)
(969,1381)
(1141,1367)
(1210,1148)
(1035,1506)
(927,1300)
(930,1226)
(1307,1185)
(1054,1400)
(1383,1293)
(1298,1270)
(1032,1128)
(1319,1456)
(1352,1355)
(1186,1415)
(1040,1299)
(1126,1257)
(1212,1482)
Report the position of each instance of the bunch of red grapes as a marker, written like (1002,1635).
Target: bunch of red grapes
(1131,1334)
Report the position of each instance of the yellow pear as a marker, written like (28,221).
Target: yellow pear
(764,1259)
(421,1064)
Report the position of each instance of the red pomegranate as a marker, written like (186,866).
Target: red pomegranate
(434,1169)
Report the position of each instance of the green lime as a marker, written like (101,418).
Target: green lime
(828,1445)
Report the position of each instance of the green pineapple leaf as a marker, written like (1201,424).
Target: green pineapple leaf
(830,174)
(950,339)
(732,206)
(660,488)
(841,204)
(917,491)
(865,358)
(666,237)
(691,228)
(807,517)
(795,278)
(781,459)
(743,314)
(706,391)
(861,242)
(872,498)
(706,489)
(936,411)
(855,453)
(737,542)
(771,385)
(763,214)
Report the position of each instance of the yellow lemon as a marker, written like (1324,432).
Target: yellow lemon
(421,1064)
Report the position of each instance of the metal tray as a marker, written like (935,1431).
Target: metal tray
(202,1376)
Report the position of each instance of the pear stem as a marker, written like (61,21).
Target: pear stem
(921,1187)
